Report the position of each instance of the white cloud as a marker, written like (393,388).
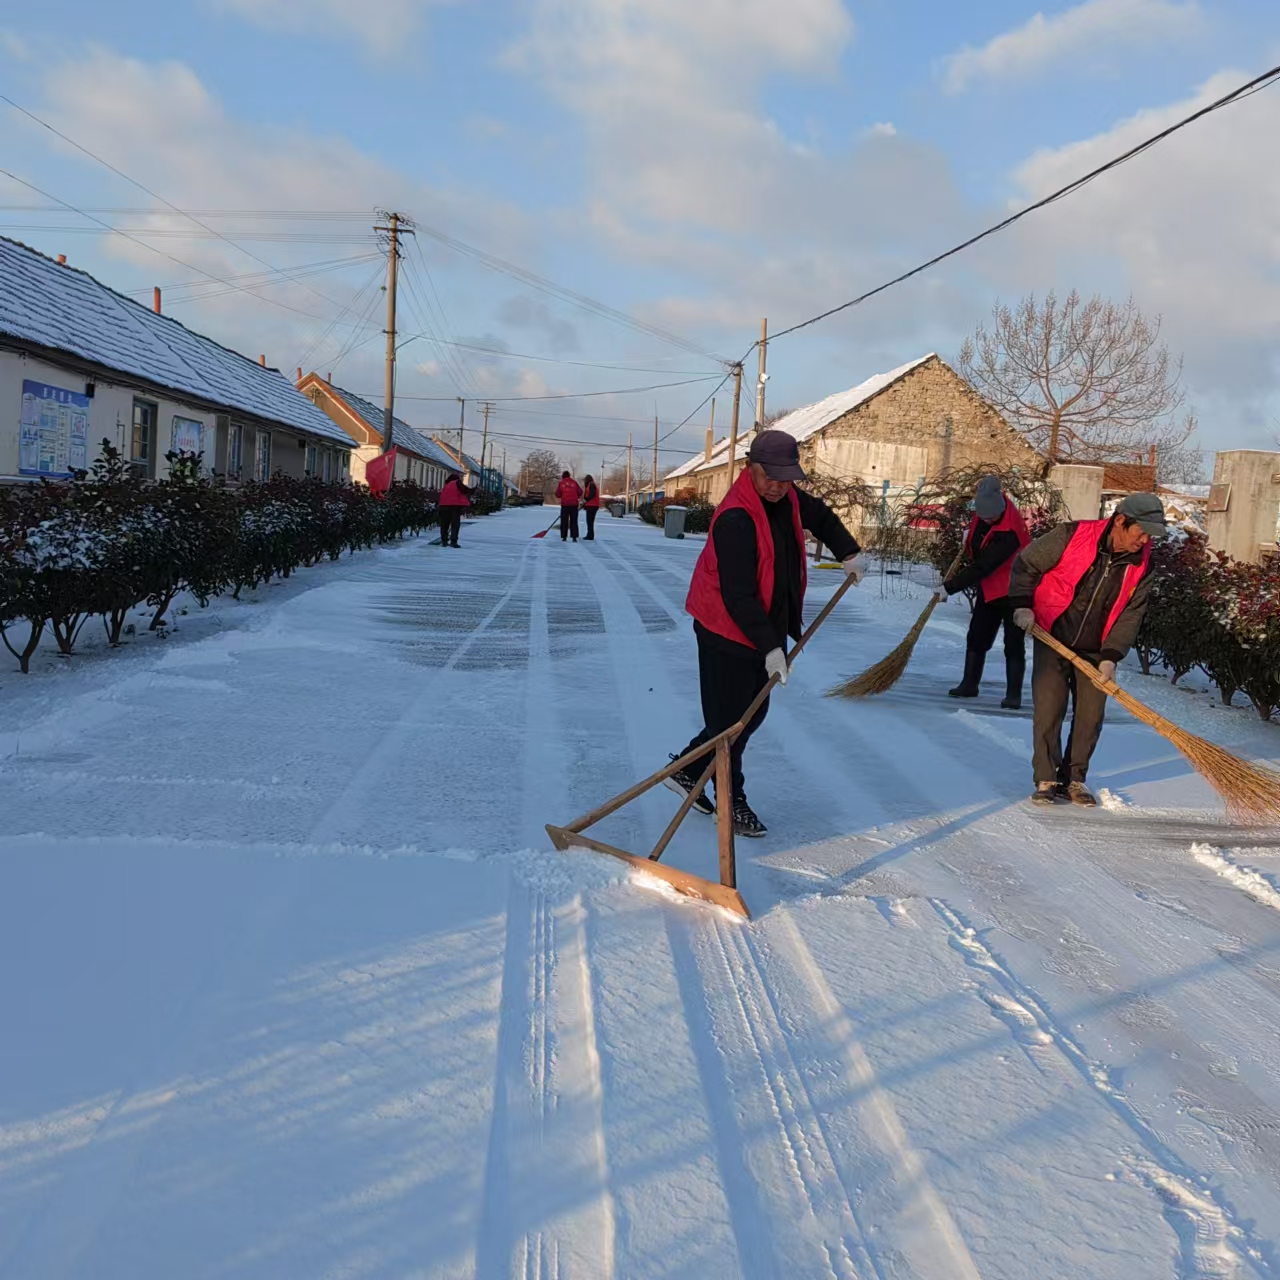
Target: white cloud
(383,27)
(12,45)
(1083,36)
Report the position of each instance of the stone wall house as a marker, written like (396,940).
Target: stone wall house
(892,432)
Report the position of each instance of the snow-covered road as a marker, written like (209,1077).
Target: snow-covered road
(293,986)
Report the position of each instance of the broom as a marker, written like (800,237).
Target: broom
(888,671)
(1251,792)
(548,529)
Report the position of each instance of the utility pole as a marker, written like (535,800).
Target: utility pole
(626,497)
(733,424)
(653,484)
(397,225)
(484,441)
(763,376)
(462,421)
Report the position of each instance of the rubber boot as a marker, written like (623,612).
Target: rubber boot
(969,685)
(1015,667)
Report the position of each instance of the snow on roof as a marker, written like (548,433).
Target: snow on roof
(803,423)
(402,434)
(66,309)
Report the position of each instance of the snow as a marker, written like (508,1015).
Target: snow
(60,307)
(297,987)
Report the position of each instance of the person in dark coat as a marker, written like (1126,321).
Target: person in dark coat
(454,499)
(570,494)
(747,598)
(1086,583)
(591,505)
(996,534)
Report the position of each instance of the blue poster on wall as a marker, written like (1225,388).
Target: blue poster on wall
(53,439)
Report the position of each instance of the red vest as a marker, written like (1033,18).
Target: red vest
(568,493)
(1058,587)
(704,601)
(593,496)
(452,496)
(995,586)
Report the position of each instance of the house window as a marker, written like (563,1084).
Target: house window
(328,465)
(311,460)
(142,446)
(344,465)
(235,450)
(262,457)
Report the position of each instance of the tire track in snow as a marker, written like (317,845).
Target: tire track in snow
(1206,1225)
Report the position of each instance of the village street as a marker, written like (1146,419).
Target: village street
(297,988)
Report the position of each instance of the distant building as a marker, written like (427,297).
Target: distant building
(891,432)
(81,363)
(489,479)
(418,457)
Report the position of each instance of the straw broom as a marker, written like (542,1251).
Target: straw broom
(1251,792)
(888,671)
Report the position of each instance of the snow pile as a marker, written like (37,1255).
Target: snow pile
(1258,886)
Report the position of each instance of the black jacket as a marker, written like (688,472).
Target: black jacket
(1082,623)
(735,540)
(986,560)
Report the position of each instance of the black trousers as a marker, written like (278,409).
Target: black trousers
(568,522)
(591,523)
(988,617)
(450,522)
(728,681)
(1053,684)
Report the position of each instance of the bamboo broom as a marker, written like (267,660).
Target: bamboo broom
(888,671)
(1251,792)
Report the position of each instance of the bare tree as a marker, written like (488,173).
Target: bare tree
(539,471)
(1185,465)
(1083,381)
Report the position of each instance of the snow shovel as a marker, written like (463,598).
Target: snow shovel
(724,894)
(548,529)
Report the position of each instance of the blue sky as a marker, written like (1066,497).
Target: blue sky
(694,165)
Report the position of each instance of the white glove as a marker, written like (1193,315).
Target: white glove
(1107,669)
(1024,618)
(775,663)
(855,567)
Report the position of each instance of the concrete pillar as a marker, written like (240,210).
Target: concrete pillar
(1081,489)
(1244,503)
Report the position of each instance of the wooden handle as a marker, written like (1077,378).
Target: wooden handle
(1107,686)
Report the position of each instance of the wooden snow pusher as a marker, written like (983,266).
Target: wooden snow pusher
(725,893)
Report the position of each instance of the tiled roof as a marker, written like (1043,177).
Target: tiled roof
(50,305)
(402,434)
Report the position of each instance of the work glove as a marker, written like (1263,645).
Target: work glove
(1024,618)
(855,567)
(1107,669)
(775,663)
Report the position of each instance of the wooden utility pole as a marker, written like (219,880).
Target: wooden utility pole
(462,421)
(733,423)
(484,441)
(397,225)
(653,483)
(763,376)
(626,497)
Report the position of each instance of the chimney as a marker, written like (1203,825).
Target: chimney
(155,300)
(62,259)
(299,373)
(328,377)
(710,443)
(262,360)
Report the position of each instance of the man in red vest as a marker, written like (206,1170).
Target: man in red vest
(453,501)
(996,534)
(746,598)
(591,505)
(570,494)
(1086,584)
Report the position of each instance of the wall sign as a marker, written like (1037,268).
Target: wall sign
(53,438)
(188,435)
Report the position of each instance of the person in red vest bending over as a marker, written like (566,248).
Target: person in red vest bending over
(590,504)
(1086,584)
(746,598)
(570,494)
(454,500)
(996,534)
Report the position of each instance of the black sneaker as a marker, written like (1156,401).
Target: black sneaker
(1046,793)
(682,782)
(745,822)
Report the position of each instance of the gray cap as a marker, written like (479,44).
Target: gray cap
(778,453)
(1146,510)
(988,498)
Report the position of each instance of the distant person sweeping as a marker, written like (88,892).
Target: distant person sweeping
(747,598)
(1086,584)
(570,494)
(455,498)
(997,532)
(591,505)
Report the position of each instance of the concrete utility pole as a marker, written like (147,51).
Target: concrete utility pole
(653,483)
(733,423)
(397,225)
(763,376)
(484,441)
(626,497)
(462,421)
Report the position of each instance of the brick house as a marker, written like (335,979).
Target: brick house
(892,432)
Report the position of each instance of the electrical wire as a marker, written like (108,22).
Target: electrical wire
(580,395)
(317,343)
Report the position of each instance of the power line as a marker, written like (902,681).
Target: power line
(1244,91)
(578,395)
(581,364)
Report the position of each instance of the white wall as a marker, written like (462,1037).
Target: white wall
(874,462)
